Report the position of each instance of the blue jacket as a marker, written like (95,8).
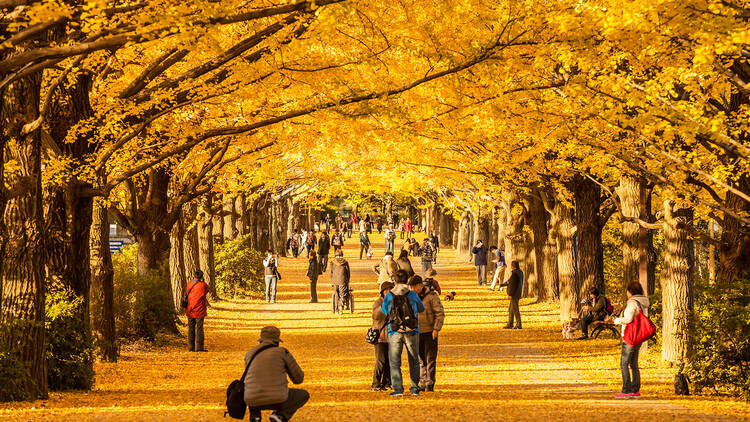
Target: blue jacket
(416,303)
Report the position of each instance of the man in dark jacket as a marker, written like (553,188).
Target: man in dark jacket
(364,243)
(340,275)
(480,261)
(598,313)
(324,247)
(515,290)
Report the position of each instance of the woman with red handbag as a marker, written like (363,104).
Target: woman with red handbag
(636,328)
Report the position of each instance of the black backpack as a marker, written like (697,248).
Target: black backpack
(236,405)
(401,316)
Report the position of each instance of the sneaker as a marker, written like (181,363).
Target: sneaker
(636,395)
(395,394)
(415,392)
(275,417)
(430,389)
(518,327)
(508,327)
(622,396)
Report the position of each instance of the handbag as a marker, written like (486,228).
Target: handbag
(373,335)
(236,406)
(639,330)
(184,300)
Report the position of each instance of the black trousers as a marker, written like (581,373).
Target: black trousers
(323,263)
(381,374)
(295,252)
(314,290)
(514,312)
(297,398)
(195,334)
(428,348)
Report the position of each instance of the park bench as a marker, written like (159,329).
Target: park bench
(607,325)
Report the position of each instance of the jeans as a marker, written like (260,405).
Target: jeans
(296,399)
(629,359)
(389,245)
(271,288)
(498,277)
(428,348)
(323,263)
(481,274)
(363,249)
(514,312)
(195,334)
(396,342)
(585,322)
(381,374)
(426,265)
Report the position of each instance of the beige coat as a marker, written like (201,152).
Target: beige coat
(433,316)
(390,267)
(266,381)
(378,320)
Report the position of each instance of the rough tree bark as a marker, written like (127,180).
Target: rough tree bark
(177,263)
(563,229)
(677,282)
(22,235)
(464,236)
(230,219)
(190,241)
(206,245)
(102,285)
(588,200)
(240,215)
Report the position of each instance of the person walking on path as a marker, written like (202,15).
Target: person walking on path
(430,324)
(381,373)
(431,283)
(385,269)
(328,222)
(435,244)
(303,242)
(598,312)
(498,257)
(404,263)
(409,225)
(402,307)
(390,238)
(379,221)
(310,242)
(340,276)
(427,252)
(631,384)
(271,272)
(313,271)
(197,292)
(293,243)
(324,247)
(364,243)
(362,226)
(480,261)
(337,241)
(515,289)
(266,385)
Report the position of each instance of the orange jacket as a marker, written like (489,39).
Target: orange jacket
(197,302)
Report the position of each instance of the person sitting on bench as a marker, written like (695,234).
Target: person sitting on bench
(266,386)
(598,312)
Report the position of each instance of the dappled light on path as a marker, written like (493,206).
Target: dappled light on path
(484,372)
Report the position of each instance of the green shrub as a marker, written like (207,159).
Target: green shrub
(720,338)
(239,269)
(142,305)
(13,371)
(69,345)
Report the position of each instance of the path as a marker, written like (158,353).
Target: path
(484,373)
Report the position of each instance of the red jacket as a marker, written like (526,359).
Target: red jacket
(197,302)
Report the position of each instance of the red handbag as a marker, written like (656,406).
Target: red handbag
(639,330)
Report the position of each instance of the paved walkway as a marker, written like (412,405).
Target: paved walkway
(484,373)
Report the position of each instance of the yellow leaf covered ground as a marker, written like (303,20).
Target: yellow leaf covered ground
(484,372)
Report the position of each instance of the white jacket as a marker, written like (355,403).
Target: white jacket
(631,310)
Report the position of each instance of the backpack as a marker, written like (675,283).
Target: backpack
(609,306)
(391,235)
(236,405)
(401,316)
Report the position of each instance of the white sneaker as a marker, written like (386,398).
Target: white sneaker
(276,418)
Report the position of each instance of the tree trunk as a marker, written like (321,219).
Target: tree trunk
(190,241)
(544,250)
(206,246)
(22,235)
(564,230)
(230,220)
(629,192)
(464,237)
(102,285)
(734,250)
(240,221)
(677,282)
(177,263)
(588,221)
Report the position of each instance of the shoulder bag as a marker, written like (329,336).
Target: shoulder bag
(639,330)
